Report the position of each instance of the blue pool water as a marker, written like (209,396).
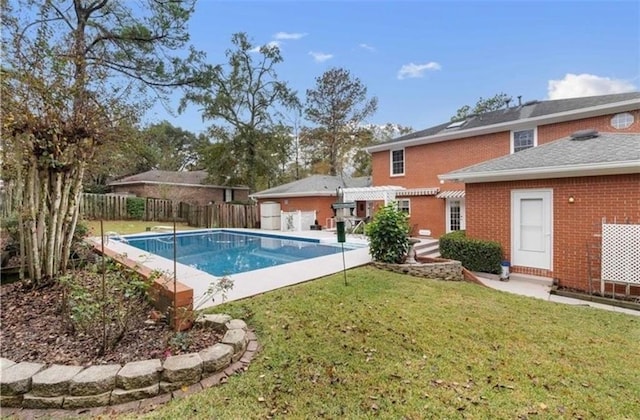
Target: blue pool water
(221,252)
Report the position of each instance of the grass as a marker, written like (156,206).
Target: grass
(125,227)
(394,346)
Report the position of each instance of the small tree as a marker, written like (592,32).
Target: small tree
(389,235)
(483,105)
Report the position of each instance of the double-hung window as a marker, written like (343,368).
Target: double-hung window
(397,162)
(404,205)
(523,139)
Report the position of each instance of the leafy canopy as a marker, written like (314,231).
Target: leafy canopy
(242,98)
(337,106)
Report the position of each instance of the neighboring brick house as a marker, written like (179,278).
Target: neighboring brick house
(546,206)
(414,161)
(314,193)
(190,187)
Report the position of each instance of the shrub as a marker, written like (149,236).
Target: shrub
(100,301)
(474,254)
(388,235)
(135,207)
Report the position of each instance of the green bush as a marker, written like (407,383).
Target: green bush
(388,235)
(100,301)
(474,254)
(135,207)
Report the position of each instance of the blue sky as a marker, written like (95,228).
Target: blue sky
(425,59)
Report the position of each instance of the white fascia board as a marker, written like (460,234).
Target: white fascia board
(293,194)
(593,169)
(513,125)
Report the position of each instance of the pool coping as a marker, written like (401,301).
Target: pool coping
(244,284)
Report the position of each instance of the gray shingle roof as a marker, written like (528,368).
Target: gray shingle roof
(527,110)
(608,149)
(167,177)
(314,185)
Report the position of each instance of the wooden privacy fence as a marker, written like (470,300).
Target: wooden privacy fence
(223,215)
(114,207)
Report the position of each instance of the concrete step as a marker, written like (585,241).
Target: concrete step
(427,247)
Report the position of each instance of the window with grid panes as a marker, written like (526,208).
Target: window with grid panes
(397,162)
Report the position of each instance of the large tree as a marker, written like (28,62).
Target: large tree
(243,99)
(72,71)
(337,106)
(170,148)
(483,105)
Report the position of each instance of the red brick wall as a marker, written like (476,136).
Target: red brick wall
(427,212)
(194,195)
(551,132)
(424,163)
(615,197)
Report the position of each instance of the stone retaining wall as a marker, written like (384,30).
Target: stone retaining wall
(38,386)
(432,268)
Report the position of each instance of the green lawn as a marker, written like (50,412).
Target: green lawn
(124,227)
(395,346)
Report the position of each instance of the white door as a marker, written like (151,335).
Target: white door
(531,228)
(455,214)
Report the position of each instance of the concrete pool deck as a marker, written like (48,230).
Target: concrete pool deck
(252,282)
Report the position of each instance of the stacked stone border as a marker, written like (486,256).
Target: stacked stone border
(137,386)
(430,268)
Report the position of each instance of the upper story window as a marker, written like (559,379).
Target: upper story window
(523,140)
(622,121)
(228,195)
(397,162)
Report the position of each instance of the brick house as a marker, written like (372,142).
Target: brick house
(546,205)
(314,193)
(414,161)
(190,187)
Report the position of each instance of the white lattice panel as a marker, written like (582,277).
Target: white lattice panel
(621,253)
(384,193)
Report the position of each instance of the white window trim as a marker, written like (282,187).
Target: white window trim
(408,204)
(404,162)
(535,137)
(463,214)
(628,116)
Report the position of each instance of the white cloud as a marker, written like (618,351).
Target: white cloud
(578,85)
(413,70)
(268,44)
(320,57)
(289,35)
(367,47)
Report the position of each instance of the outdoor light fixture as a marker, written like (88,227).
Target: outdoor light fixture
(571,199)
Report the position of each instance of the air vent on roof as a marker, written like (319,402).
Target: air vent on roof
(457,124)
(530,103)
(584,134)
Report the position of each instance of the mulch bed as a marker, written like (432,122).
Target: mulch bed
(32,329)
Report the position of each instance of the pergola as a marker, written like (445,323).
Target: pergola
(385,193)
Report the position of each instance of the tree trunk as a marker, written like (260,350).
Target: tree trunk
(48,218)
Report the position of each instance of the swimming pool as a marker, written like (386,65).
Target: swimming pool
(222,252)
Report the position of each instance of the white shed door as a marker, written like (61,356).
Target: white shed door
(531,228)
